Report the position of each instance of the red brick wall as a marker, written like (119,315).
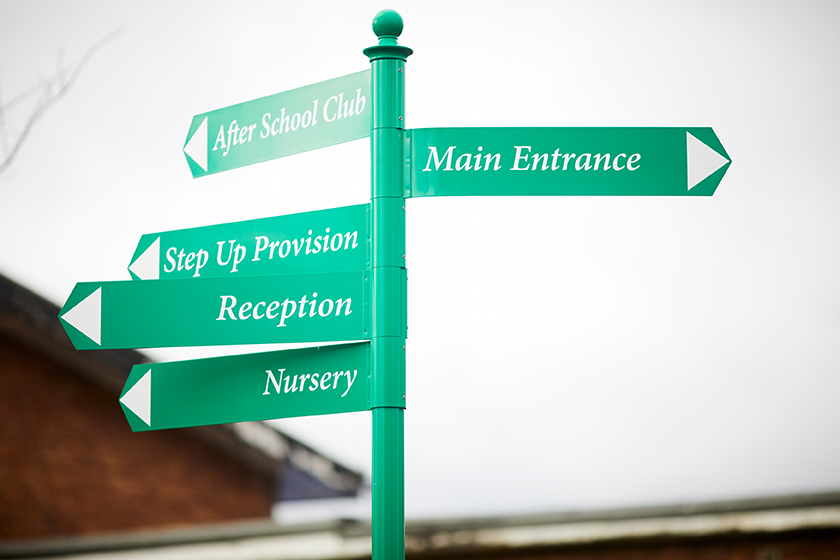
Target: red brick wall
(69,464)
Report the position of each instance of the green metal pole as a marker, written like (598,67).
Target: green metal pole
(387,141)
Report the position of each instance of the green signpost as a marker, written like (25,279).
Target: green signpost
(325,240)
(303,119)
(218,311)
(339,275)
(263,386)
(387,143)
(566,161)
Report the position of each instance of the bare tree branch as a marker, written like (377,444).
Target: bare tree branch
(4,137)
(52,90)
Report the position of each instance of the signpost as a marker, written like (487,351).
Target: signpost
(218,311)
(387,61)
(339,275)
(325,240)
(566,161)
(283,384)
(303,119)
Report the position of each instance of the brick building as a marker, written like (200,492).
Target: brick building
(70,465)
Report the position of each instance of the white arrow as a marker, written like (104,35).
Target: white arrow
(196,148)
(138,399)
(147,265)
(86,316)
(702,160)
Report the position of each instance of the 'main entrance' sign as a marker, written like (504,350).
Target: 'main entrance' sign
(566,161)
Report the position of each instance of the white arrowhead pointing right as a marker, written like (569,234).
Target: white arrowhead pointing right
(138,399)
(86,316)
(147,265)
(702,160)
(196,148)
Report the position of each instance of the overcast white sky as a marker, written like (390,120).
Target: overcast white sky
(563,352)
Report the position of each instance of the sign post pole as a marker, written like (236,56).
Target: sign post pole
(389,285)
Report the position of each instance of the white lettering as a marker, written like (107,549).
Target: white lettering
(273,381)
(350,380)
(325,380)
(339,302)
(318,381)
(438,161)
(360,101)
(307,307)
(615,162)
(284,315)
(171,259)
(599,158)
(326,108)
(203,256)
(519,156)
(229,309)
(262,244)
(220,139)
(586,164)
(266,126)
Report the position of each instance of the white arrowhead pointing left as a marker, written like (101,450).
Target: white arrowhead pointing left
(147,265)
(196,148)
(702,160)
(138,399)
(86,316)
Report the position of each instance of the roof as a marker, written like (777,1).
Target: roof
(802,513)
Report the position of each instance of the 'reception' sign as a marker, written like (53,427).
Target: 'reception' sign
(217,311)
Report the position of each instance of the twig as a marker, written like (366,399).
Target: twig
(53,89)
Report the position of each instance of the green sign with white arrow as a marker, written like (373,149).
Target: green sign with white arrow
(566,161)
(295,121)
(215,311)
(263,386)
(322,241)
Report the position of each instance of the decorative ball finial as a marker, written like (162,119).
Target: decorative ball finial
(387,23)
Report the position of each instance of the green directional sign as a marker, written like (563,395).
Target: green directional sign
(263,386)
(321,241)
(566,161)
(215,311)
(279,125)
